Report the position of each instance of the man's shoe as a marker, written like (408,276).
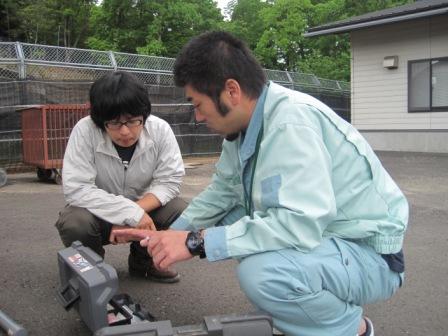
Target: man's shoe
(276,332)
(369,327)
(153,274)
(145,269)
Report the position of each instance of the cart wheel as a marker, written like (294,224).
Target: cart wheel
(3,177)
(44,174)
(58,176)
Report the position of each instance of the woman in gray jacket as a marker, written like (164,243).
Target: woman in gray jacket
(122,168)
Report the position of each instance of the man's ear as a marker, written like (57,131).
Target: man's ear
(233,92)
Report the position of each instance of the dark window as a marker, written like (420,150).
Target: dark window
(428,85)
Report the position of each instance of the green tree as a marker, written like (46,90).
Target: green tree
(118,24)
(55,22)
(272,28)
(37,23)
(177,21)
(9,21)
(246,21)
(99,37)
(282,45)
(152,27)
(328,56)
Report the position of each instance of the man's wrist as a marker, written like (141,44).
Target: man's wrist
(149,202)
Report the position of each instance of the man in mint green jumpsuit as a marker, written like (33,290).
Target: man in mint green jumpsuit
(299,197)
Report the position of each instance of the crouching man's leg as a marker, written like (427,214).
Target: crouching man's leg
(139,261)
(317,293)
(79,224)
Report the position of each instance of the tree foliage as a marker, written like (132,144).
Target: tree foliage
(273,29)
(246,21)
(152,27)
(55,22)
(281,44)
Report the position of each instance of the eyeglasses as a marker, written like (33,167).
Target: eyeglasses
(116,125)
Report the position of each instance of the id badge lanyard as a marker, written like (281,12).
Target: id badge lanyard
(248,202)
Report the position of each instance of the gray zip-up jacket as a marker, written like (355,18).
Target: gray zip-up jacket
(95,178)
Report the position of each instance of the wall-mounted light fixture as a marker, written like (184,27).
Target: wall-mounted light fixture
(390,62)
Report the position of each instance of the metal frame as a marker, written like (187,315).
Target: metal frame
(39,74)
(27,55)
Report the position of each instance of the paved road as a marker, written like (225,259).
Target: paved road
(29,275)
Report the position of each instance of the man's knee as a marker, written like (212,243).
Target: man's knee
(252,278)
(177,206)
(75,224)
(268,278)
(164,216)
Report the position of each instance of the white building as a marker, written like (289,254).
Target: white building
(399,75)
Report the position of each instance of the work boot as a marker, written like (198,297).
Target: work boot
(141,265)
(369,328)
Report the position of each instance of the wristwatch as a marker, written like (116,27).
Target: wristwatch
(195,244)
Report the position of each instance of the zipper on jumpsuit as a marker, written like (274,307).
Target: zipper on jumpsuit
(243,168)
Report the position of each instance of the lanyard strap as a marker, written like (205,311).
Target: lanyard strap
(248,203)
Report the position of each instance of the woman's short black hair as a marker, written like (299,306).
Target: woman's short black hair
(115,94)
(210,59)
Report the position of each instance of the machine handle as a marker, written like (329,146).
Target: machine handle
(67,296)
(11,327)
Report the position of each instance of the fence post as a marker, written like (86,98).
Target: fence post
(113,61)
(290,79)
(21,57)
(316,80)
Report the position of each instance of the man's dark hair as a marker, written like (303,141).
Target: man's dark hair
(115,94)
(208,60)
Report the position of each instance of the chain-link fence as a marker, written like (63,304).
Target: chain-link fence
(33,74)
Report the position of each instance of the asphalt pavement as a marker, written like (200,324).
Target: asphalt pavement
(29,274)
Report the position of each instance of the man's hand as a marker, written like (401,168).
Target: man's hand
(146,223)
(165,247)
(113,238)
(127,234)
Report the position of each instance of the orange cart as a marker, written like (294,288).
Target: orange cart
(45,132)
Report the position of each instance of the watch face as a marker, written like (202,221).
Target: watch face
(194,243)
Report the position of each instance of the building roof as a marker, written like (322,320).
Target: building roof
(418,9)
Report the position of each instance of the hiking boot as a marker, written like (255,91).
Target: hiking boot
(146,269)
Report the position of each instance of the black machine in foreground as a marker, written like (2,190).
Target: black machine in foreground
(90,286)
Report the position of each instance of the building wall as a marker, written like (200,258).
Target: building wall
(380,95)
